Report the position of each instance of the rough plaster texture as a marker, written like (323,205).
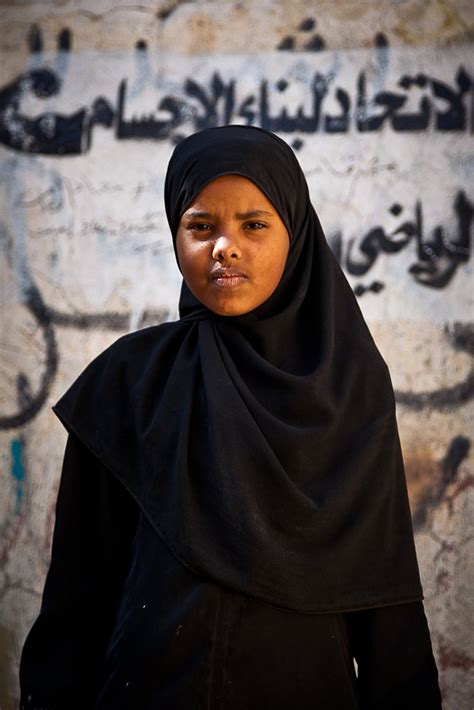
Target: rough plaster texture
(85,254)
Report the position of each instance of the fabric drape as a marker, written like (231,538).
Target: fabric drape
(263,448)
(124,626)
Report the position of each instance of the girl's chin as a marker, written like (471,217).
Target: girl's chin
(229,307)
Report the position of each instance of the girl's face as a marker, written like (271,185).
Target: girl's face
(232,246)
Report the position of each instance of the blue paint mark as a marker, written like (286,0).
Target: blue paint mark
(18,470)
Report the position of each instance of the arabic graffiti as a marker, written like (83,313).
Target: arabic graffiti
(48,133)
(314,44)
(461,338)
(30,404)
(453,119)
(218,101)
(438,256)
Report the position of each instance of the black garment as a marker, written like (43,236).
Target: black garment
(242,494)
(263,448)
(196,645)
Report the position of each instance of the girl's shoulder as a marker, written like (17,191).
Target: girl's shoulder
(111,389)
(139,342)
(129,353)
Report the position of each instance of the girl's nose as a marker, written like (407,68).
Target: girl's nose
(226,248)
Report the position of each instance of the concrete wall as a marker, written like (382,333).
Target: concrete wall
(377,100)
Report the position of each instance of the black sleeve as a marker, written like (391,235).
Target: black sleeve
(96,519)
(396,667)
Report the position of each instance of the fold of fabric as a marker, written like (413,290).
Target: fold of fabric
(263,448)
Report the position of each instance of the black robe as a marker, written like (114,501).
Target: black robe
(233,522)
(124,624)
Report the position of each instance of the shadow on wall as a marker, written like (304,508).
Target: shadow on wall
(7,681)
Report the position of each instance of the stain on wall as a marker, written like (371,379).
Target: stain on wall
(18,471)
(377,101)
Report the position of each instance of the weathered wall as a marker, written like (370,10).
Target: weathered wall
(377,100)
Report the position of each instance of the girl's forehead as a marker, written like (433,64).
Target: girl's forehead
(231,191)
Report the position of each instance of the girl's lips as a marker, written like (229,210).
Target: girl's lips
(230,280)
(227,277)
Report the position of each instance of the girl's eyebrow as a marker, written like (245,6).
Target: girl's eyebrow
(237,215)
(194,215)
(252,213)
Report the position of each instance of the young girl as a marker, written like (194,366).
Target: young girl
(233,526)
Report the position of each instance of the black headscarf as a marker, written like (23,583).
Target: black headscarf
(264,447)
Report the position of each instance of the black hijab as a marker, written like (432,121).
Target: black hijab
(263,448)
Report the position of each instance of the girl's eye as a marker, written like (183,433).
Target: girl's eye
(200,228)
(256,225)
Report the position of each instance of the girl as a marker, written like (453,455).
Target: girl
(233,527)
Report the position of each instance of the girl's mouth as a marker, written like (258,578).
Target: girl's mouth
(227,277)
(229,280)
